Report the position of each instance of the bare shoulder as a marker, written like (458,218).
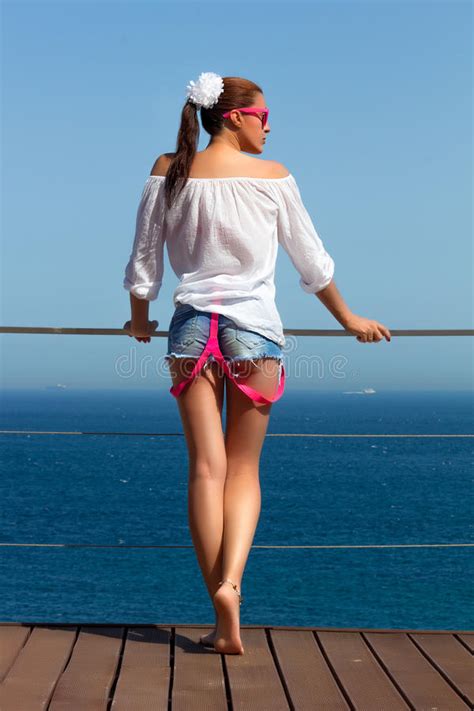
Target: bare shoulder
(161,164)
(255,167)
(274,169)
(262,168)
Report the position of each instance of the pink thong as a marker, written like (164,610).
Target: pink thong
(212,346)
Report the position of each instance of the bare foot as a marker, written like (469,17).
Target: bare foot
(208,639)
(227,639)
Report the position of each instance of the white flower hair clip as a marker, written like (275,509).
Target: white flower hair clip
(206,90)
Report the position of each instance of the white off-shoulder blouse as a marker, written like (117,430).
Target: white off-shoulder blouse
(222,237)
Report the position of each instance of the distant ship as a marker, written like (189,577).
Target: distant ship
(58,386)
(365,391)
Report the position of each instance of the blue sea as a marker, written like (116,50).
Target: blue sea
(123,482)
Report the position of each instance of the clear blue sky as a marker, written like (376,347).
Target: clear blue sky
(371,110)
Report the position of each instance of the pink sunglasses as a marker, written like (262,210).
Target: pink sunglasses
(254,111)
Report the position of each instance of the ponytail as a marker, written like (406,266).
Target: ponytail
(186,147)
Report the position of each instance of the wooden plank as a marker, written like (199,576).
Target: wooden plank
(198,679)
(12,639)
(255,683)
(358,671)
(145,670)
(30,682)
(452,659)
(424,687)
(87,681)
(308,679)
(467,639)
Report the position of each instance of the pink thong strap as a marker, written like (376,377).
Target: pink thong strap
(212,346)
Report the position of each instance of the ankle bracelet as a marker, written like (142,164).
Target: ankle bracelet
(227,580)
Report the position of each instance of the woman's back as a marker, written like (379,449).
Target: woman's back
(222,234)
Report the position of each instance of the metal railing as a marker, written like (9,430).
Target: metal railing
(66,331)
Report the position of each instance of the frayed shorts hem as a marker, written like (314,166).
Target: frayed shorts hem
(228,359)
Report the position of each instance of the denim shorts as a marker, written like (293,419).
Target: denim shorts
(189,330)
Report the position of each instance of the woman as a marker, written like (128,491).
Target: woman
(222,214)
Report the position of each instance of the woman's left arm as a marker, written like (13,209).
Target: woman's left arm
(366,330)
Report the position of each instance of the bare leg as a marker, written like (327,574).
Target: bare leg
(246,426)
(200,407)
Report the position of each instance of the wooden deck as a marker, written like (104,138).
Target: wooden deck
(163,668)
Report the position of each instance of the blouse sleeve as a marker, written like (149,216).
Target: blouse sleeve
(298,237)
(144,271)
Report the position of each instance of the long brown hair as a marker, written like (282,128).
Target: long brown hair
(238,92)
